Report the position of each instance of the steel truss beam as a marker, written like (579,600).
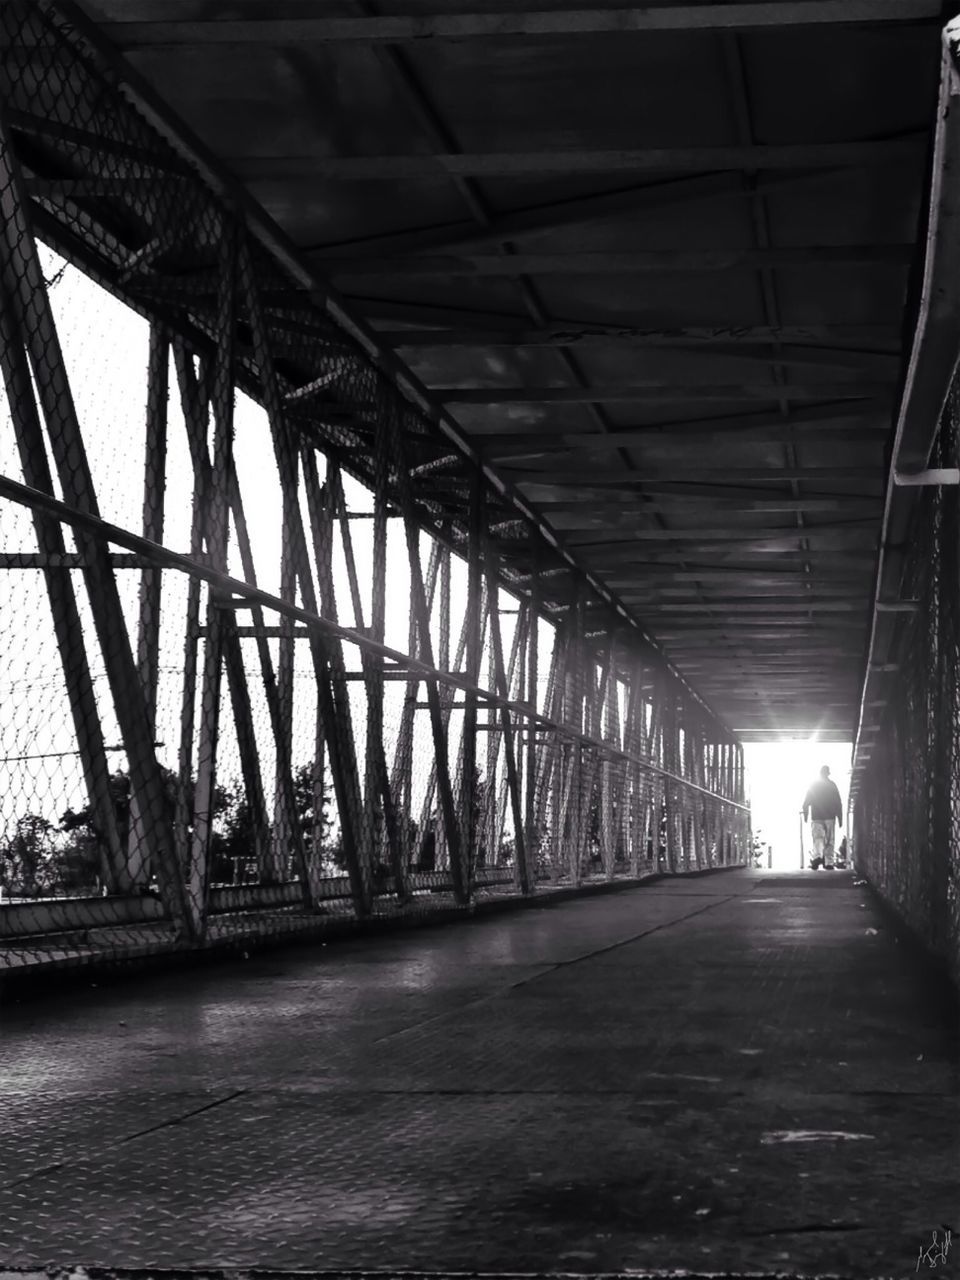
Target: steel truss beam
(571,779)
(640,261)
(518,23)
(579,209)
(397,168)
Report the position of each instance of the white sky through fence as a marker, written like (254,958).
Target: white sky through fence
(105,347)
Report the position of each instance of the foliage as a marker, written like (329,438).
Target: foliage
(38,856)
(27,862)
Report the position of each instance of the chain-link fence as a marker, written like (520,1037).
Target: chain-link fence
(906,812)
(274,650)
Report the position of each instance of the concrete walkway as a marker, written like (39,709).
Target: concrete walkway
(730,1072)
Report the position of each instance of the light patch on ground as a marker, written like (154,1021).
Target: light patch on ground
(813,1135)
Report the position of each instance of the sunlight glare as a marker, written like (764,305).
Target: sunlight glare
(777,777)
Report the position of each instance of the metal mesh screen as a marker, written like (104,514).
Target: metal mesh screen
(275,651)
(907,809)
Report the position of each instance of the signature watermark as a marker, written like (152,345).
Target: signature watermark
(936,1252)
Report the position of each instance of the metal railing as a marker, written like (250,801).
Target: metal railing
(905,791)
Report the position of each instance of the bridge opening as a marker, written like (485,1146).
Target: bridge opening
(777,777)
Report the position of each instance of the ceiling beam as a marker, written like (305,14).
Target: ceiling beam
(837,667)
(764,533)
(745,580)
(721,493)
(618,263)
(704,651)
(506,329)
(428,313)
(546,216)
(739,425)
(855,389)
(819,337)
(817,649)
(693,599)
(739,651)
(527,164)
(765,544)
(680,504)
(787,432)
(825,558)
(521,22)
(753,608)
(834,667)
(792,630)
(685,471)
(823,662)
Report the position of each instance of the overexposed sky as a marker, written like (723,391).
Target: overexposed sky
(778,775)
(105,347)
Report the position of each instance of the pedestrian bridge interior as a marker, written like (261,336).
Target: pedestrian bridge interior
(453,460)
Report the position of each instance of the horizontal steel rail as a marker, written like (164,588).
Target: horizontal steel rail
(165,558)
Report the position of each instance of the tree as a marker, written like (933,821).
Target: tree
(86,855)
(28,861)
(312,818)
(85,822)
(232,845)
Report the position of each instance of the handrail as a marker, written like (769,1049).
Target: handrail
(933,360)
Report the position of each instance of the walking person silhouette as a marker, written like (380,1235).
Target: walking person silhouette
(823,809)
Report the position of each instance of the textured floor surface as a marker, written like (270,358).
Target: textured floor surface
(730,1072)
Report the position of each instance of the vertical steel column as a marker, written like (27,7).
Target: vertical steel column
(522,870)
(269,859)
(693,798)
(575,709)
(381,824)
(194,404)
(394,818)
(448,807)
(67,626)
(431,788)
(533,832)
(550,774)
(217,534)
(592,683)
(634,778)
(619,771)
(469,799)
(331,680)
(607,728)
(327,656)
(28,294)
(275,847)
(148,628)
(284,811)
(196,421)
(514,675)
(656,796)
(401,773)
(669,761)
(443,663)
